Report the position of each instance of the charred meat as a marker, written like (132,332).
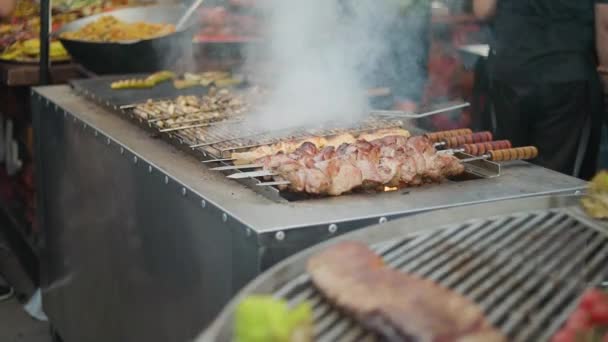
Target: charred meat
(394,161)
(398,306)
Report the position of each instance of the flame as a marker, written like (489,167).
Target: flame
(390,188)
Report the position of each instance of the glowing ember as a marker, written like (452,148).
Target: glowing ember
(390,188)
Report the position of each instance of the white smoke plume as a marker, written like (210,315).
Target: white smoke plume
(319,52)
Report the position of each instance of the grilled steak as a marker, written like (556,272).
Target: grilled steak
(399,306)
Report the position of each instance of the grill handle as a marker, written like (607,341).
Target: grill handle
(439,136)
(483,148)
(474,138)
(520,153)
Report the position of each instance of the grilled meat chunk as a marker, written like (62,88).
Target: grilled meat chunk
(393,161)
(397,305)
(248,157)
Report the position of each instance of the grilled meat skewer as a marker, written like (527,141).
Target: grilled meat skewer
(472,149)
(392,161)
(287,147)
(320,142)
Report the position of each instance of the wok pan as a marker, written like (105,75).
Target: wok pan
(139,56)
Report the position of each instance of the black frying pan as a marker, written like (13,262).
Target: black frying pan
(140,56)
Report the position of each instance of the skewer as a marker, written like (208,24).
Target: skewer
(473,149)
(206,124)
(237,167)
(481,148)
(274,183)
(456,141)
(252,174)
(439,136)
(520,153)
(435,137)
(217,160)
(398,113)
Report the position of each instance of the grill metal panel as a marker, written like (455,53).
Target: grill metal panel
(526,271)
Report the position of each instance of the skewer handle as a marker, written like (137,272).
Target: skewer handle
(474,138)
(438,136)
(485,147)
(520,153)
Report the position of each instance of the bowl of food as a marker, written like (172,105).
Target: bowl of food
(132,40)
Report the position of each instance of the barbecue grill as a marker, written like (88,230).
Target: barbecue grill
(526,269)
(136,217)
(217,139)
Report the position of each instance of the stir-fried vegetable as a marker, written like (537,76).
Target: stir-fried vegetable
(111,29)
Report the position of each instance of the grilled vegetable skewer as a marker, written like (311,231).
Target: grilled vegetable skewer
(147,82)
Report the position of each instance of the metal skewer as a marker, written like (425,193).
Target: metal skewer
(184,19)
(206,124)
(521,153)
(237,167)
(217,160)
(456,141)
(473,149)
(402,114)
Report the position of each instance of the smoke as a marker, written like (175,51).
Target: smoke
(320,54)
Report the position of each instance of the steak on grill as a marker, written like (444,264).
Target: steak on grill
(398,306)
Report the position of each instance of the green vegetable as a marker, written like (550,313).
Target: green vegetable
(266,319)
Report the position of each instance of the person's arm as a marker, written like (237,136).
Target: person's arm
(601,34)
(484,9)
(7,7)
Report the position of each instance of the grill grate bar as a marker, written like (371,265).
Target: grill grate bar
(307,294)
(353,332)
(465,250)
(498,258)
(506,279)
(548,311)
(419,246)
(475,260)
(299,282)
(429,254)
(527,304)
(480,265)
(326,320)
(334,332)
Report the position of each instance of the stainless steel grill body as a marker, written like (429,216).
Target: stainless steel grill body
(526,269)
(166,243)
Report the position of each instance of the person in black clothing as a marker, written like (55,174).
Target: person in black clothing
(544,84)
